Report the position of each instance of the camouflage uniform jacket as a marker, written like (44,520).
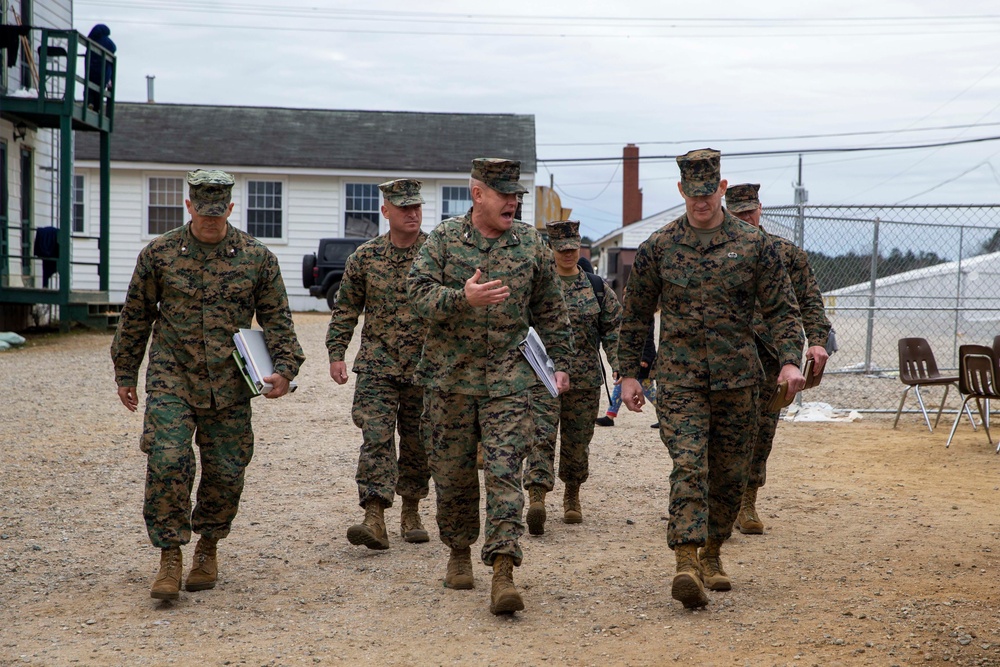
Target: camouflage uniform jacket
(592,326)
(475,351)
(375,283)
(706,298)
(807,293)
(193,300)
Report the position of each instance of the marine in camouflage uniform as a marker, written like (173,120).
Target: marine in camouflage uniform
(193,287)
(571,414)
(706,270)
(743,202)
(385,396)
(476,282)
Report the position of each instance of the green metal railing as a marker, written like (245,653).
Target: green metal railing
(64,87)
(73,86)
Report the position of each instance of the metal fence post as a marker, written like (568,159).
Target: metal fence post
(801,197)
(800,227)
(873,285)
(958,295)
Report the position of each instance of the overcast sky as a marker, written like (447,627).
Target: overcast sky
(668,76)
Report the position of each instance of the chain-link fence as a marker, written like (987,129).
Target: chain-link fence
(891,272)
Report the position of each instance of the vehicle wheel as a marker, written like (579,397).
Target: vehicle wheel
(308,264)
(331,294)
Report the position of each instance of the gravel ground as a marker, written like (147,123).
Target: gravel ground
(881,547)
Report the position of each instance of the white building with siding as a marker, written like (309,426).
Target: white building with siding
(301,174)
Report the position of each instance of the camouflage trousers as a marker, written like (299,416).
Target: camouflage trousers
(571,416)
(707,436)
(767,422)
(507,431)
(383,405)
(225,444)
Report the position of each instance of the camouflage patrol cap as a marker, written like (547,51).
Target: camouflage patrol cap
(700,174)
(563,234)
(402,192)
(499,174)
(742,197)
(210,191)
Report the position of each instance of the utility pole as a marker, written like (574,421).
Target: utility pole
(801,197)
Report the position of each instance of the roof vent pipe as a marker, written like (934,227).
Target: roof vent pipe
(150,98)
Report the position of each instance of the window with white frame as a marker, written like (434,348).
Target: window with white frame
(79,193)
(361,210)
(455,200)
(264,207)
(165,204)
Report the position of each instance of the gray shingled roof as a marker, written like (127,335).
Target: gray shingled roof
(318,138)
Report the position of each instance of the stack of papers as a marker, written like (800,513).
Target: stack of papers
(533,350)
(254,360)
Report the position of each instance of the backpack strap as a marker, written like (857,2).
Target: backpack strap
(598,284)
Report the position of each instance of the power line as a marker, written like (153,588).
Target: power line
(644,27)
(369,14)
(606,186)
(944,182)
(789,151)
(859,133)
(932,153)
(559,33)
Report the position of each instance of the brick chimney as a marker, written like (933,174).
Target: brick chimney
(631,192)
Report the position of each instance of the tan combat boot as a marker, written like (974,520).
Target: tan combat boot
(536,510)
(168,580)
(687,586)
(572,512)
(504,598)
(747,520)
(713,575)
(459,575)
(409,521)
(371,532)
(204,570)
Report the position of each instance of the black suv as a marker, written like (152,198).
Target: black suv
(322,272)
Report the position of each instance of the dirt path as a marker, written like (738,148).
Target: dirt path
(881,547)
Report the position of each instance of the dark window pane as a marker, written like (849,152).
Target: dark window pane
(166,204)
(455,200)
(361,210)
(264,209)
(78,226)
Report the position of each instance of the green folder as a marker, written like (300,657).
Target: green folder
(243,371)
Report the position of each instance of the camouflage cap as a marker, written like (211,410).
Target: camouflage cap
(210,191)
(700,173)
(402,192)
(563,234)
(742,197)
(499,174)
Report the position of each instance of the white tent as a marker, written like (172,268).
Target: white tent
(969,285)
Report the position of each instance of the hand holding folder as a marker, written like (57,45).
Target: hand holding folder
(782,399)
(254,361)
(533,350)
